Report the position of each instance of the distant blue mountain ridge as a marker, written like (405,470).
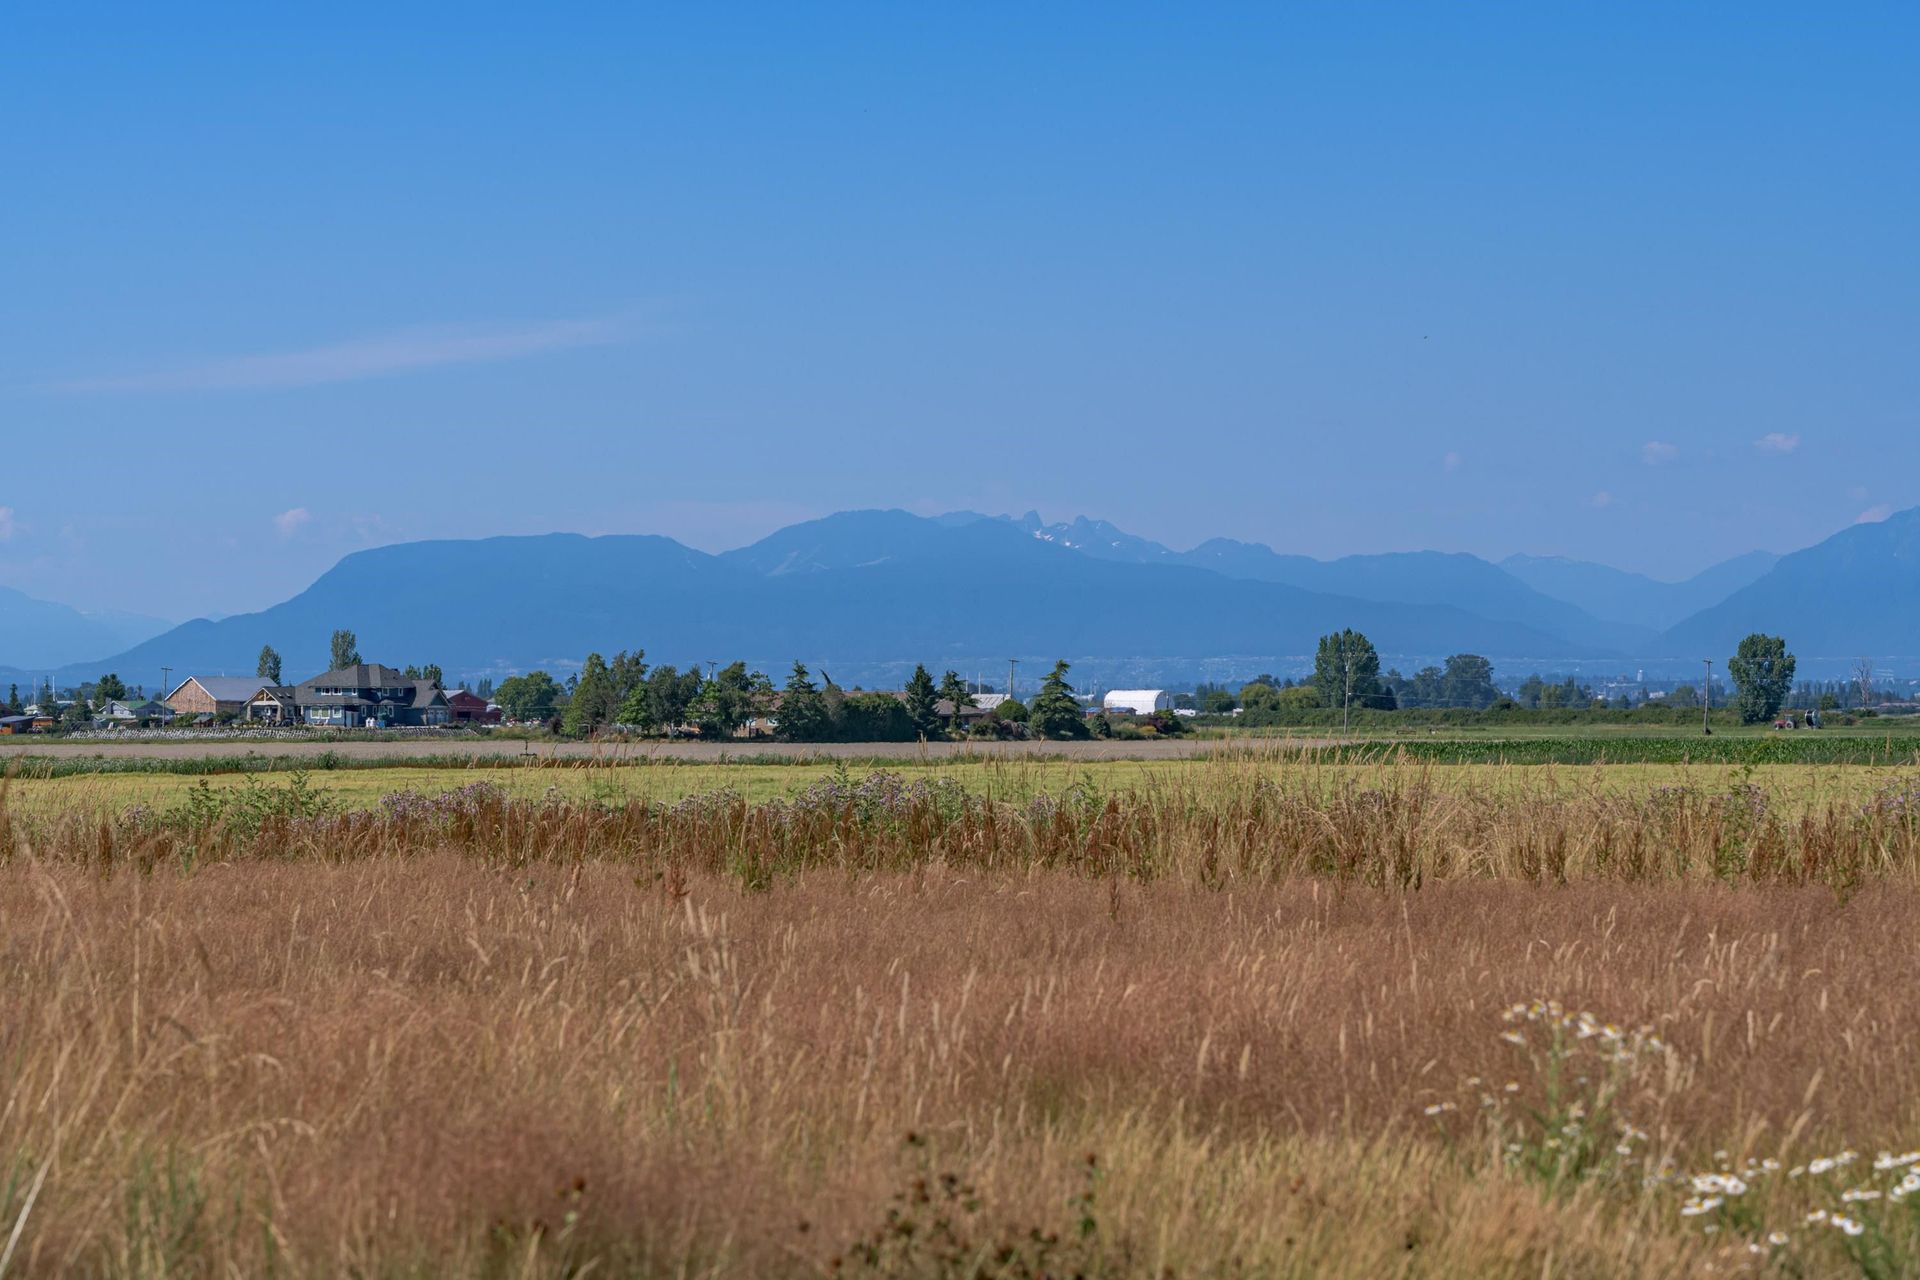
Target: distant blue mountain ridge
(869,593)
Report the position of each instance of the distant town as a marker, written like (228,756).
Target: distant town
(625,695)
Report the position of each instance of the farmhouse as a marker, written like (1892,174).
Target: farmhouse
(1139,702)
(116,712)
(212,695)
(372,695)
(274,704)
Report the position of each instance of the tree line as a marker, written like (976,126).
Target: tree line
(625,694)
(1347,678)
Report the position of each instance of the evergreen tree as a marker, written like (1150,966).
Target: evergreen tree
(1055,713)
(921,702)
(110,687)
(13,699)
(1762,672)
(268,668)
(432,673)
(803,711)
(345,650)
(954,691)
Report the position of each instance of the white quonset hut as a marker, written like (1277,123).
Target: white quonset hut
(1139,702)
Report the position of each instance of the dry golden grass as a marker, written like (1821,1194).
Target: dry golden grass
(500,1039)
(399,1066)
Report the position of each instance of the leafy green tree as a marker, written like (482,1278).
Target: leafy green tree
(953,691)
(433,675)
(803,710)
(110,687)
(662,700)
(628,671)
(922,704)
(724,703)
(1055,712)
(1468,682)
(1346,671)
(1762,672)
(592,706)
(871,717)
(1684,696)
(268,668)
(528,697)
(345,650)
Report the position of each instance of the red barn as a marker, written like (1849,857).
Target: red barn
(469,708)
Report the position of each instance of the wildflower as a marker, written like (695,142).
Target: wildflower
(1719,1183)
(1512,1086)
(1848,1225)
(1856,1194)
(1698,1205)
(1514,1037)
(1776,1238)
(1818,1215)
(1440,1108)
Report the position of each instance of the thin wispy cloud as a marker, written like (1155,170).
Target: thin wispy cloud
(1777,442)
(7,524)
(402,351)
(290,522)
(1655,452)
(1450,463)
(1874,514)
(1601,500)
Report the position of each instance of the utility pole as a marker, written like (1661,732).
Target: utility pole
(166,679)
(1706,702)
(1011,664)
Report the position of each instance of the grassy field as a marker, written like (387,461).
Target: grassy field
(1248,1019)
(75,789)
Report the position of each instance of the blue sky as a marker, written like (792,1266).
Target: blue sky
(1631,283)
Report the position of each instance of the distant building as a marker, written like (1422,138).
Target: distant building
(274,704)
(370,695)
(116,712)
(944,709)
(213,695)
(30,723)
(471,708)
(1138,702)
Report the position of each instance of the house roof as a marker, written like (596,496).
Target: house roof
(223,688)
(426,693)
(365,675)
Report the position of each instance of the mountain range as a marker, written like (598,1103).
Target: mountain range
(39,633)
(864,592)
